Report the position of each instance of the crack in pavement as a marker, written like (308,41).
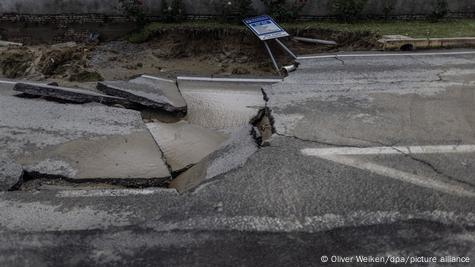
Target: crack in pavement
(408,155)
(341,60)
(422,161)
(434,168)
(439,75)
(319,142)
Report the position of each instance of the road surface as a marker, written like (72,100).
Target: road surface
(374,155)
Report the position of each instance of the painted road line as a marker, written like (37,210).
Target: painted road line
(157,78)
(388,55)
(389,150)
(427,182)
(341,155)
(7,82)
(241,80)
(114,192)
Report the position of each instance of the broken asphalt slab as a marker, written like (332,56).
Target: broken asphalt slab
(152,92)
(10,174)
(185,144)
(68,94)
(222,103)
(79,142)
(231,154)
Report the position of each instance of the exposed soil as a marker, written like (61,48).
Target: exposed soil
(170,52)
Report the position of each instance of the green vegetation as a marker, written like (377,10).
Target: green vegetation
(440,10)
(200,27)
(348,10)
(417,29)
(234,11)
(134,9)
(173,11)
(282,10)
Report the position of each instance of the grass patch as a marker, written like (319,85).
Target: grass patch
(416,29)
(198,27)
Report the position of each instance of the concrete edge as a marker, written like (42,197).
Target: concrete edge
(426,43)
(229,79)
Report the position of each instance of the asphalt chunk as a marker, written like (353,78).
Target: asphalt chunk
(10,174)
(68,94)
(78,142)
(148,91)
(231,155)
(185,144)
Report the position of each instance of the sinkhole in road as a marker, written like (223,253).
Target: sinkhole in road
(226,122)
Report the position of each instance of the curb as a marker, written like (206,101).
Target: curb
(406,43)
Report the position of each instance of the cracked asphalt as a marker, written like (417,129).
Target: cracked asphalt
(398,181)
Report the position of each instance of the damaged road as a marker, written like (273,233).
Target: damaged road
(78,142)
(359,164)
(148,91)
(51,137)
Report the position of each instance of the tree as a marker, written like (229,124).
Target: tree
(283,11)
(441,10)
(348,10)
(134,9)
(173,11)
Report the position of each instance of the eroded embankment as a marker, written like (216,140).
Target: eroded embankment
(168,49)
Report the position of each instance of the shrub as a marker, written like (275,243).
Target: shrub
(441,10)
(388,7)
(173,11)
(134,9)
(283,11)
(245,8)
(348,10)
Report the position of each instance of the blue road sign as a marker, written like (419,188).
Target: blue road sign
(265,28)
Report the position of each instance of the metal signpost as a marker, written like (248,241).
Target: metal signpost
(265,28)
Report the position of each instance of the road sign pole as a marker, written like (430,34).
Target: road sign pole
(265,28)
(276,66)
(286,49)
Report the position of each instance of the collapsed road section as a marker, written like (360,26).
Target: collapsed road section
(79,142)
(71,136)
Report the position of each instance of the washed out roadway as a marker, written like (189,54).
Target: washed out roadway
(286,206)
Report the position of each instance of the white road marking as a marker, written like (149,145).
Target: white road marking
(341,155)
(389,150)
(158,78)
(388,55)
(7,82)
(419,180)
(242,80)
(113,192)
